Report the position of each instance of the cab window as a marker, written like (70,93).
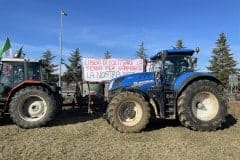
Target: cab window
(34,71)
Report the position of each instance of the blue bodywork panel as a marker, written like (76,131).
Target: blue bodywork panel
(184,78)
(141,81)
(144,81)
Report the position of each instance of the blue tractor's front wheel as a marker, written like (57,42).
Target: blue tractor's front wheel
(128,112)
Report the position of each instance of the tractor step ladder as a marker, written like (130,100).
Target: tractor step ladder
(170,104)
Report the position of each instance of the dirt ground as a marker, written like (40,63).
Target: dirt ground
(76,135)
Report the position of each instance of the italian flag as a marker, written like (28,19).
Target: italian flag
(19,53)
(6,49)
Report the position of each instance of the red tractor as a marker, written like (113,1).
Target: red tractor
(25,95)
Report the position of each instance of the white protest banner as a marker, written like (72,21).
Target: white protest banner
(97,70)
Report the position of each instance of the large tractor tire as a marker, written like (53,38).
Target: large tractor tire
(32,107)
(128,112)
(202,106)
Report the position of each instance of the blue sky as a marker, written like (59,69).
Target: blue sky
(119,26)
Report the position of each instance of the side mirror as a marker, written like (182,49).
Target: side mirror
(197,50)
(195,61)
(164,56)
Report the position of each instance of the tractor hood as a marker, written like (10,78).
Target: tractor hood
(142,81)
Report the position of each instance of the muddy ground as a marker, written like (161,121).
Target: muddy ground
(76,135)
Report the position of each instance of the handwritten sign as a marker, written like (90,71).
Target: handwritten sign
(97,70)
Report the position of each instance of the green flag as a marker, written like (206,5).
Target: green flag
(19,53)
(6,47)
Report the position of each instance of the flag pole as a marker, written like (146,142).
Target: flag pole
(60,38)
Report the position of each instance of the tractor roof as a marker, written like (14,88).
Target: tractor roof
(17,60)
(173,52)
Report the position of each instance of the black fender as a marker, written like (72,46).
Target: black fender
(153,104)
(113,93)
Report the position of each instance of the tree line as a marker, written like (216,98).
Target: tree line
(221,64)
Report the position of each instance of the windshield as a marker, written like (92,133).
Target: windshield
(173,65)
(12,73)
(178,64)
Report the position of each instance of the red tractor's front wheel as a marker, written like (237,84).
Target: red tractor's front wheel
(32,107)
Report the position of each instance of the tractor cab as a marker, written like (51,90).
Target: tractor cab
(169,64)
(15,70)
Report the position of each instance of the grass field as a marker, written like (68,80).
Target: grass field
(76,135)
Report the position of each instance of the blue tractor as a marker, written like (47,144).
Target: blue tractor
(172,90)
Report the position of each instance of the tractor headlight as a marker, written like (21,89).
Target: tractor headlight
(110,85)
(115,83)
